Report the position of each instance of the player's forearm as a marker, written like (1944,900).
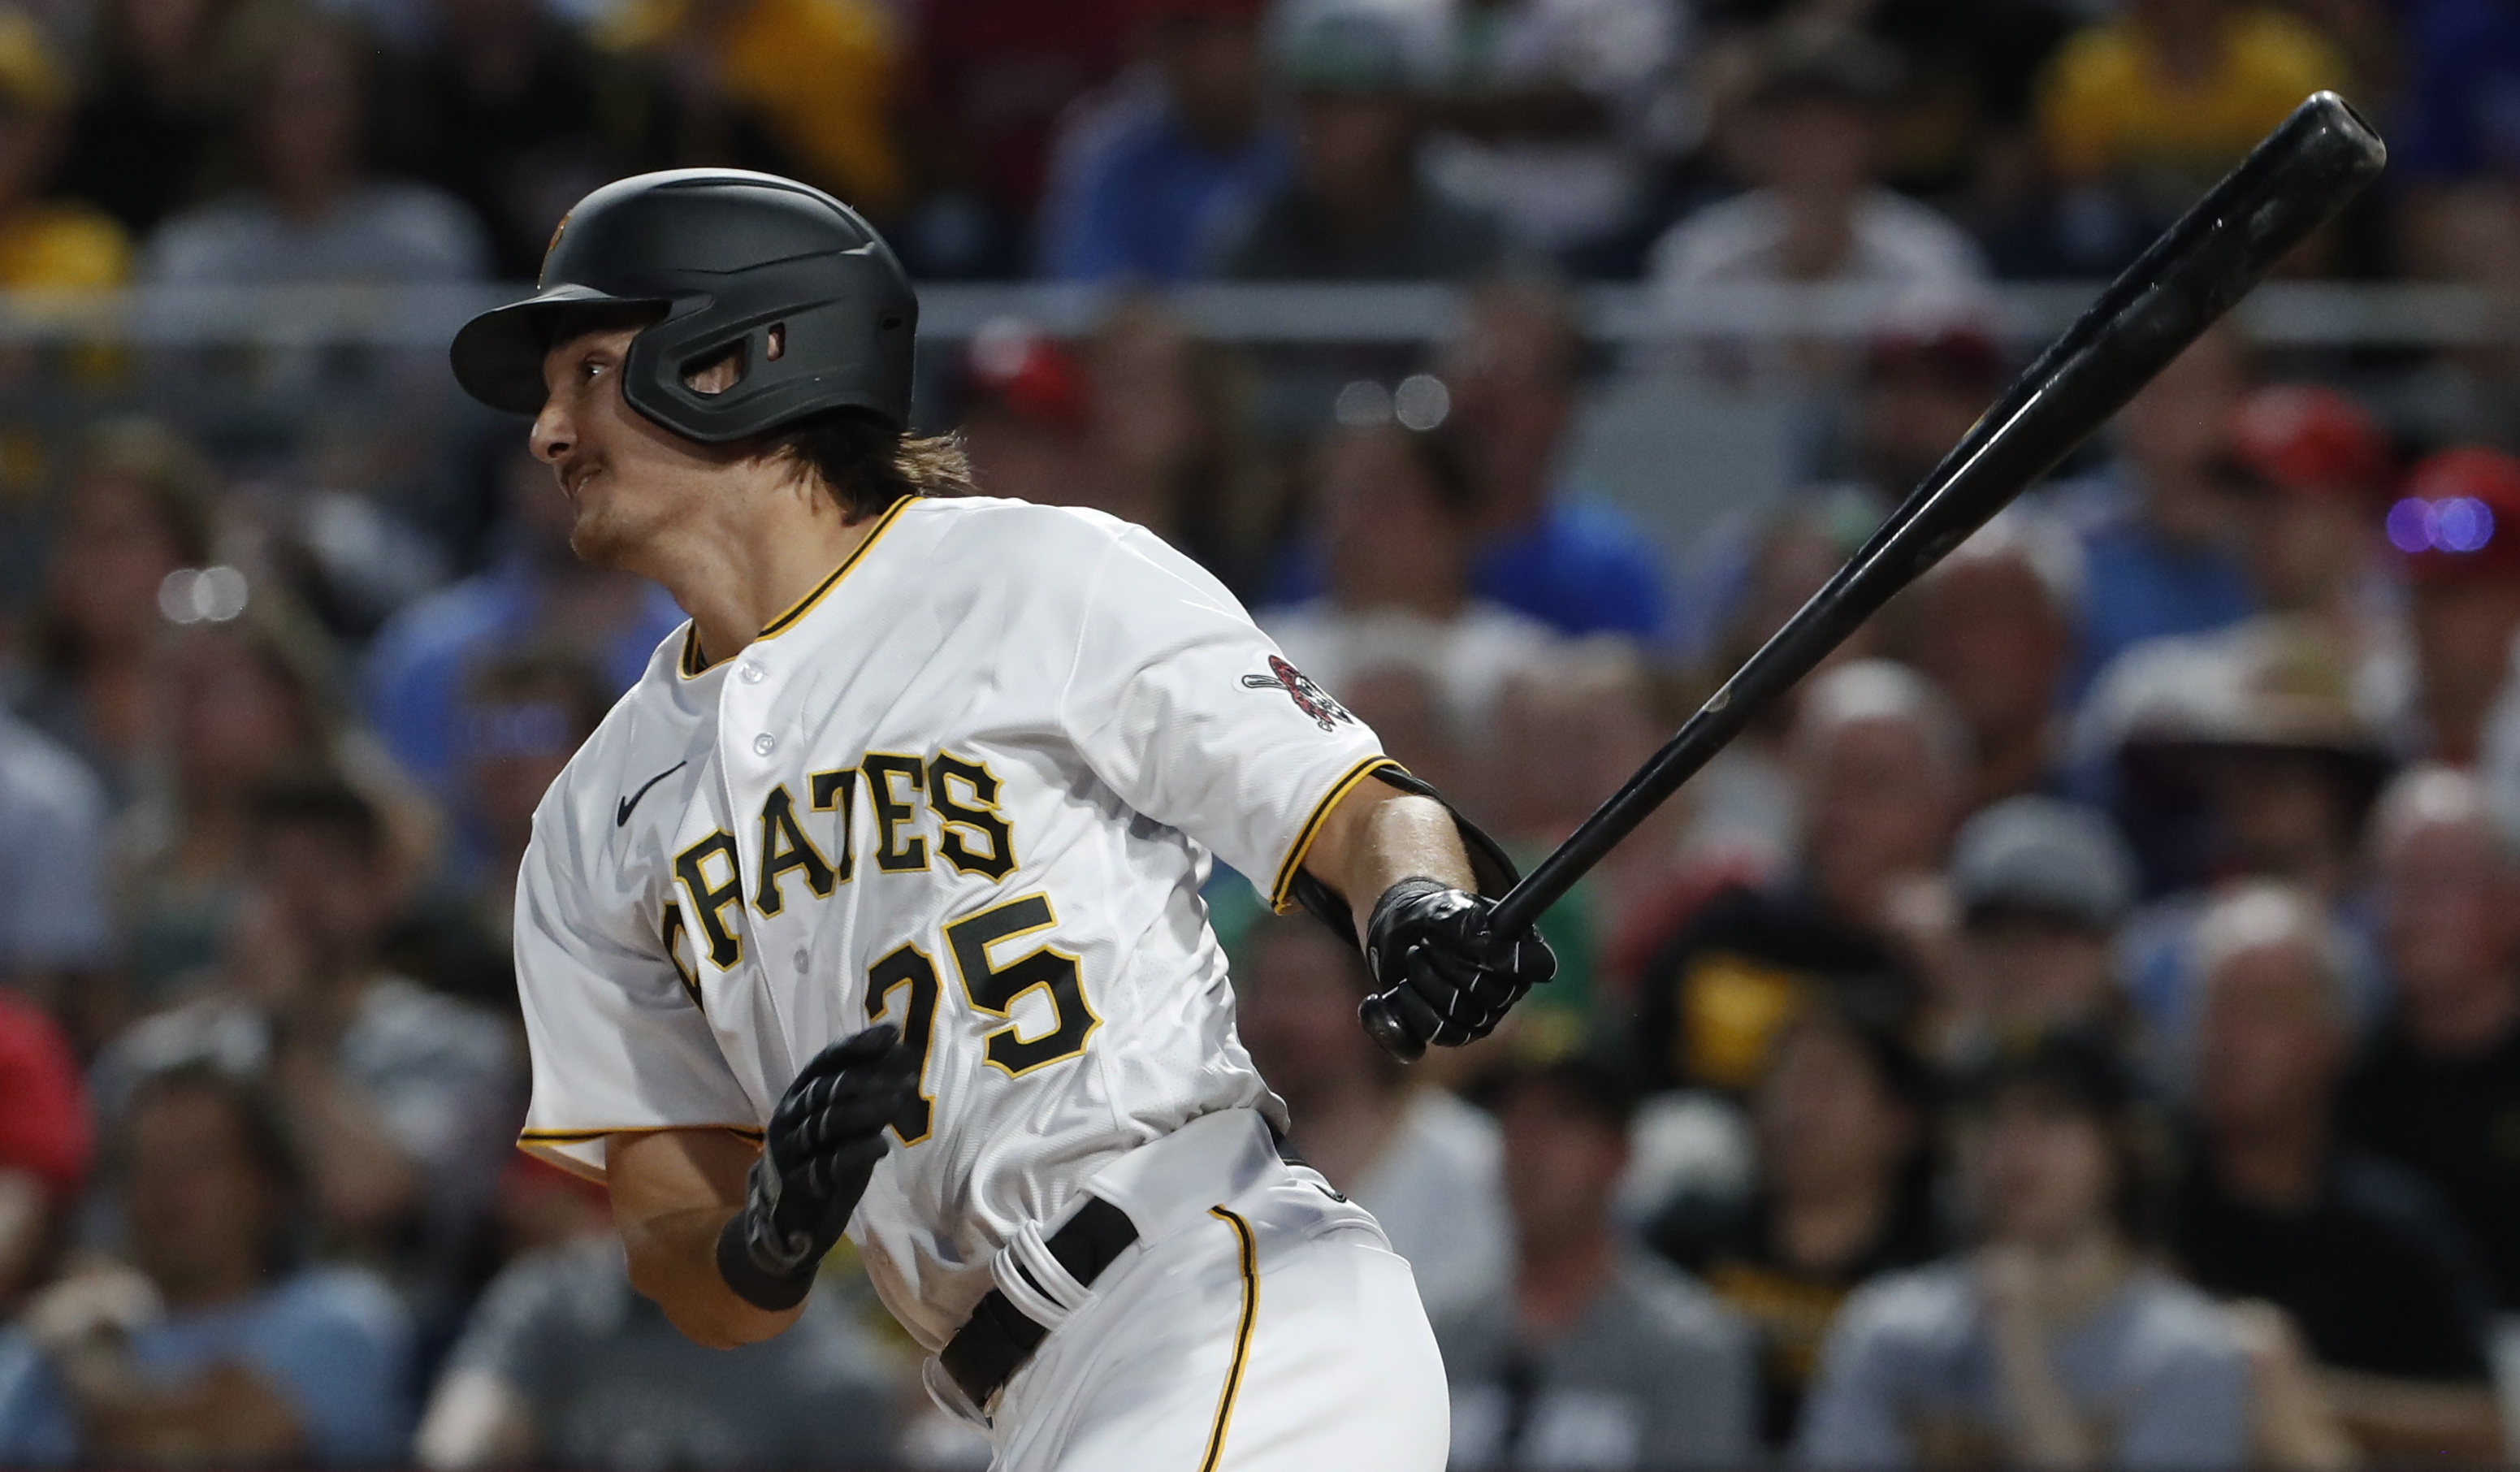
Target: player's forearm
(673,1192)
(1376,838)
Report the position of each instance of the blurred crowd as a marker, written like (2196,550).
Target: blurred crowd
(2080,1026)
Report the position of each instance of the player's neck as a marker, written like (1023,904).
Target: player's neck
(752,556)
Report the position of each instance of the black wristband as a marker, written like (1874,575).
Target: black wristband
(757,1285)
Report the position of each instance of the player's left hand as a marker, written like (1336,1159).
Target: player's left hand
(1446,976)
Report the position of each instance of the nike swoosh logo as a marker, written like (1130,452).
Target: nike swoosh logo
(621,814)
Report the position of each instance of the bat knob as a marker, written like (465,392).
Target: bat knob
(1383,1025)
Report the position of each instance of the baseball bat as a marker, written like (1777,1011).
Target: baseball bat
(2295,180)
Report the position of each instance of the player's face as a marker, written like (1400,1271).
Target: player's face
(629,480)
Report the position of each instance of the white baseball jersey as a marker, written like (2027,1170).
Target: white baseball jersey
(970,785)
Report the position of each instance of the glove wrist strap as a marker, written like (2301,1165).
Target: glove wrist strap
(765,1290)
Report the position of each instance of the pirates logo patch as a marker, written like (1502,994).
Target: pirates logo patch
(1310,698)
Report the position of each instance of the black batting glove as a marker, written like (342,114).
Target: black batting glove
(821,1148)
(1443,973)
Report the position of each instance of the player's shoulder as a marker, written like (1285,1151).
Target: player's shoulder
(1026,544)
(647,728)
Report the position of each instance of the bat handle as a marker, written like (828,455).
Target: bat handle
(1383,1025)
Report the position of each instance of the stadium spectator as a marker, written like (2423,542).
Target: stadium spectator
(46,1145)
(1880,765)
(403,1100)
(564,1364)
(1172,443)
(2439,1085)
(511,109)
(2143,111)
(137,509)
(221,1349)
(525,715)
(1424,1162)
(239,705)
(1565,558)
(1557,115)
(2458,524)
(2040,887)
(1844,1115)
(55,933)
(1594,1352)
(2383,1285)
(2051,1343)
(1026,416)
(2453,147)
(1356,206)
(142,126)
(1808,140)
(805,88)
(45,243)
(1398,511)
(535,592)
(1141,182)
(309,209)
(1994,625)
(1925,381)
(2157,525)
(993,78)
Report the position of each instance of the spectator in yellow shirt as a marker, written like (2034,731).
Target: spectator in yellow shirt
(45,245)
(801,87)
(2156,104)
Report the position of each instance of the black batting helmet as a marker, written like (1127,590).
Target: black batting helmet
(728,255)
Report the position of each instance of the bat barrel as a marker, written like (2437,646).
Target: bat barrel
(2292,183)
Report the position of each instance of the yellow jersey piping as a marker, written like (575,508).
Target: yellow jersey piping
(1241,1336)
(691,665)
(1282,893)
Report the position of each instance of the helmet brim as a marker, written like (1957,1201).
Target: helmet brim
(498,356)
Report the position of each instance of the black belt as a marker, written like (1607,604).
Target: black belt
(997,1339)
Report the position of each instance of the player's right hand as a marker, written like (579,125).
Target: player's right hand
(1444,975)
(822,1146)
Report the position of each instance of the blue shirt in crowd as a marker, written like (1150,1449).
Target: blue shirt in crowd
(2460,116)
(1138,196)
(2140,585)
(1582,568)
(332,1342)
(417,667)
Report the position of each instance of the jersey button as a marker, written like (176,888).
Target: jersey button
(764,744)
(751,672)
(803,960)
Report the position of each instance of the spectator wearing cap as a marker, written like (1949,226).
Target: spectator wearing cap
(1843,1117)
(309,209)
(535,593)
(218,1347)
(1140,184)
(1422,1161)
(2053,1342)
(45,245)
(1026,416)
(1594,1353)
(2457,522)
(2159,545)
(2455,140)
(1808,140)
(1356,206)
(2040,887)
(1880,765)
(2382,1283)
(1925,381)
(2141,112)
(1995,624)
(2438,1089)
(1399,521)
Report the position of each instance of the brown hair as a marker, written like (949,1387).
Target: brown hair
(867,465)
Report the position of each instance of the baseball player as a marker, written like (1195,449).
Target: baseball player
(874,906)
